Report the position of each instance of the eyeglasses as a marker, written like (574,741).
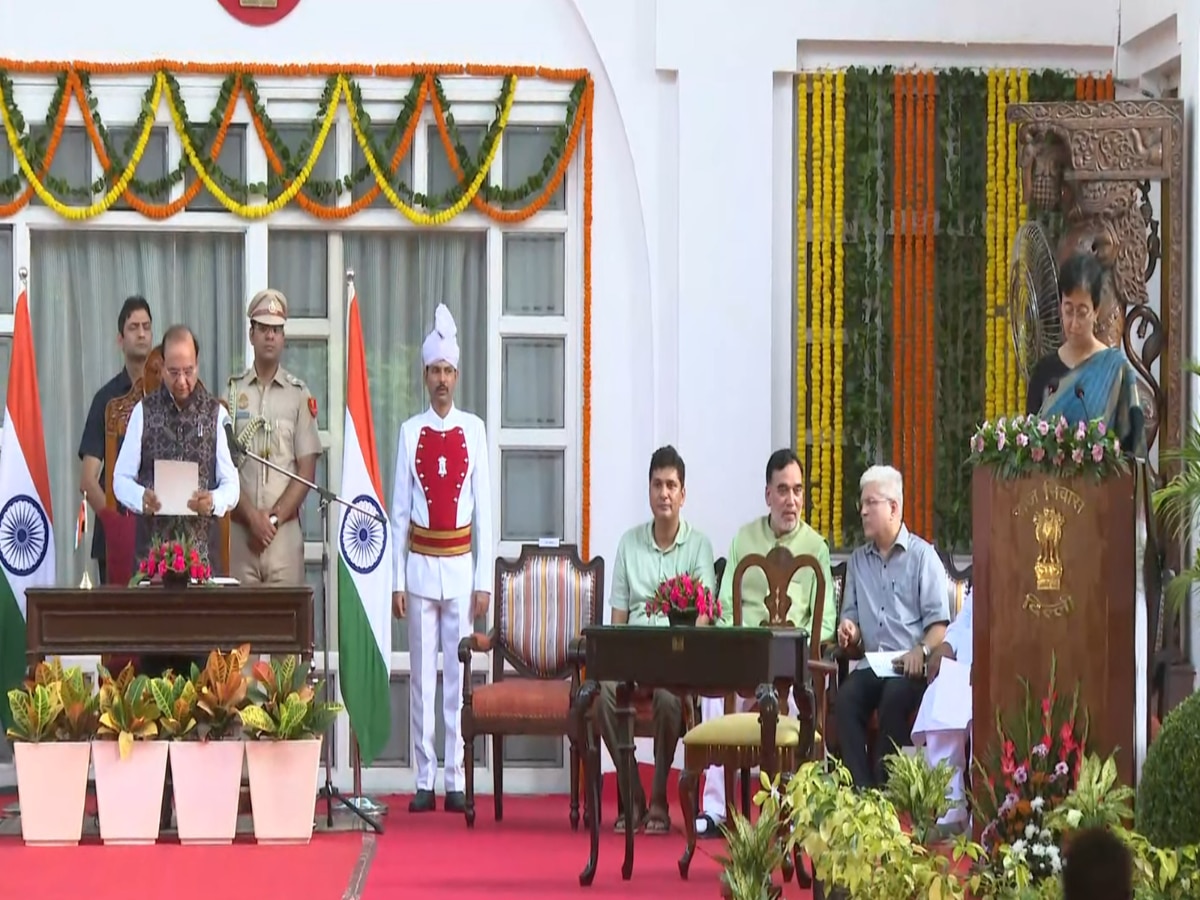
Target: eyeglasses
(874,501)
(176,374)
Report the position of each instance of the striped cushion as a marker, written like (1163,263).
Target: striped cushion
(542,608)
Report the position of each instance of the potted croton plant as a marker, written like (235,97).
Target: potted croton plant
(131,766)
(200,716)
(285,724)
(173,563)
(54,718)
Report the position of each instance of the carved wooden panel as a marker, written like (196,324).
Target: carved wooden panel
(1089,160)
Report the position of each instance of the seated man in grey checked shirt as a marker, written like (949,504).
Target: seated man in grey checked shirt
(895,601)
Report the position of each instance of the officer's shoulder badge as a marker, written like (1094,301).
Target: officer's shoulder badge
(294,381)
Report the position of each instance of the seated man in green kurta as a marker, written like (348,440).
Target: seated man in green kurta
(782,526)
(648,555)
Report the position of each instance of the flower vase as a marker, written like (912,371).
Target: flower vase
(683,618)
(175,580)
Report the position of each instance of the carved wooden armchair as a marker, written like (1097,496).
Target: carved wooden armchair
(119,526)
(734,741)
(542,603)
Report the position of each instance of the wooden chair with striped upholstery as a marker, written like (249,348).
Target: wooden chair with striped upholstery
(542,602)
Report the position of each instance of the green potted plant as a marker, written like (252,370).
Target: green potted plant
(54,718)
(919,792)
(755,853)
(285,724)
(131,766)
(206,756)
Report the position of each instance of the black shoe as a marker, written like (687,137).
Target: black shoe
(711,828)
(456,802)
(424,801)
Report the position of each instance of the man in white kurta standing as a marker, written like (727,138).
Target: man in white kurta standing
(442,503)
(943,722)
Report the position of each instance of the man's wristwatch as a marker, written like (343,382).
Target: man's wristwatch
(274,520)
(925,649)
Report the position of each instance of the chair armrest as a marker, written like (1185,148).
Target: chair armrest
(577,652)
(474,643)
(823,666)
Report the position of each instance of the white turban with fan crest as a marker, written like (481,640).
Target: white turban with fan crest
(442,342)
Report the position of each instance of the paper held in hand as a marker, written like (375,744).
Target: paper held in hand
(175,481)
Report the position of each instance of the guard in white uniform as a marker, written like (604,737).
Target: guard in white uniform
(441,504)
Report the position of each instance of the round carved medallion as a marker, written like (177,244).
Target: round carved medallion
(258,12)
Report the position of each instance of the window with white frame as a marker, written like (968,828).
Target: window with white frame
(513,288)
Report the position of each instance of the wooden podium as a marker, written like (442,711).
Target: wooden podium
(1055,573)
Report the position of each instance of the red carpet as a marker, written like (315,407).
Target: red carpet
(532,853)
(318,871)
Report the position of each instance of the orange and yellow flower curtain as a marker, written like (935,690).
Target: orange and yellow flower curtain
(908,199)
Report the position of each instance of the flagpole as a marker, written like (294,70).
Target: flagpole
(367,810)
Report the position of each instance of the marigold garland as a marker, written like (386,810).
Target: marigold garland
(929,388)
(802,256)
(838,386)
(827,280)
(816,475)
(898,228)
(586,462)
(241,84)
(990,240)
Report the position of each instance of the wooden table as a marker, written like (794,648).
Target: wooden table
(157,620)
(708,661)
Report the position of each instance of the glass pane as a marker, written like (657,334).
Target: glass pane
(6,268)
(82,278)
(72,163)
(5,359)
(298,265)
(533,382)
(298,138)
(535,280)
(308,360)
(8,165)
(525,156)
(152,168)
(313,578)
(404,172)
(532,493)
(231,161)
(310,512)
(441,178)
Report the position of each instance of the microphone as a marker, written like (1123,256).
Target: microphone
(235,449)
(1079,395)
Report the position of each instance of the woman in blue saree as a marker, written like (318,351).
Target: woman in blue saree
(1085,379)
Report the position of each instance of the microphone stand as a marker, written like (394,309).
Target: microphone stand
(364,808)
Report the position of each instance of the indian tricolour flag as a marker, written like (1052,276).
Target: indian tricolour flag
(364,562)
(26,520)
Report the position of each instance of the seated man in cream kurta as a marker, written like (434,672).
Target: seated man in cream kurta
(648,555)
(783,526)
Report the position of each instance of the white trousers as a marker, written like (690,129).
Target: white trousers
(435,625)
(713,802)
(950,746)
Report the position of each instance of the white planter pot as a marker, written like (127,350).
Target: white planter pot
(129,791)
(51,790)
(206,779)
(283,789)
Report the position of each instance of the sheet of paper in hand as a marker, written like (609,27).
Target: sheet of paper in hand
(174,483)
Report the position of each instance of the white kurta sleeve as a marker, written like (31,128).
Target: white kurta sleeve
(481,493)
(960,633)
(229,487)
(125,484)
(401,511)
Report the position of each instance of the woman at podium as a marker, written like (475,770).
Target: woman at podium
(1085,379)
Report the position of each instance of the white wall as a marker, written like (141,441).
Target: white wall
(692,220)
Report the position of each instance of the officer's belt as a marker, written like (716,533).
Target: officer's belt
(431,542)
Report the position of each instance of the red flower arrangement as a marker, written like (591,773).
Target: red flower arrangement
(1031,769)
(177,561)
(683,597)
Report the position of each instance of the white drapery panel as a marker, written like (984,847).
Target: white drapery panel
(78,281)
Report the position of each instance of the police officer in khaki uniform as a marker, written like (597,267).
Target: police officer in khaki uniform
(274,417)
